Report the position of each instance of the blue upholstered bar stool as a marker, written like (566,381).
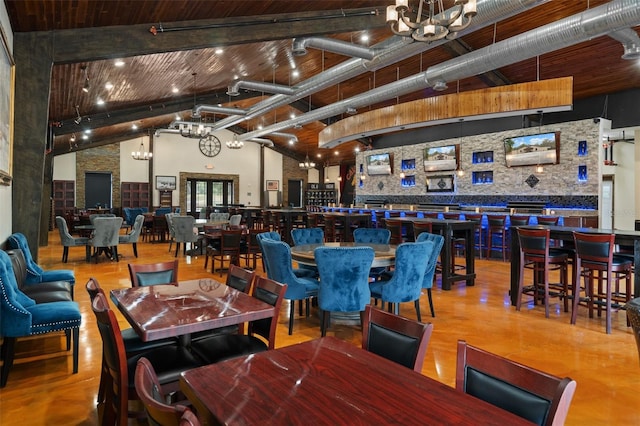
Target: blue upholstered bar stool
(497,235)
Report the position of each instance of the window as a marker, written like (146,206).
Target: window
(208,192)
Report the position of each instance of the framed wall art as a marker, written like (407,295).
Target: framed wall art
(7,79)
(440,183)
(165,183)
(273,185)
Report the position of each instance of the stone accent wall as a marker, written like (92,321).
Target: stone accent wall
(558,183)
(291,170)
(104,158)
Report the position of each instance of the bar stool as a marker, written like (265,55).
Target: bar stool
(395,227)
(420,227)
(536,255)
(476,218)
(594,253)
(516,220)
(497,229)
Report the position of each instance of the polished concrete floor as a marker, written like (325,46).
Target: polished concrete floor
(42,391)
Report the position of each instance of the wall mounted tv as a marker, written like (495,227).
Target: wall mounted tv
(532,150)
(441,158)
(380,164)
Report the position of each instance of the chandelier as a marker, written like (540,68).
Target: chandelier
(235,143)
(430,26)
(307,164)
(141,154)
(194,130)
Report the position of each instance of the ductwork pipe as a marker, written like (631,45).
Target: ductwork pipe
(591,23)
(289,136)
(299,47)
(262,141)
(630,42)
(392,50)
(198,109)
(234,90)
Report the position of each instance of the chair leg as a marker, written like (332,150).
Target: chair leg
(177,249)
(135,249)
(325,318)
(417,306)
(115,253)
(76,346)
(292,310)
(433,313)
(8,350)
(65,254)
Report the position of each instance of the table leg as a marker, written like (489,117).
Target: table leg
(515,268)
(636,267)
(470,255)
(446,259)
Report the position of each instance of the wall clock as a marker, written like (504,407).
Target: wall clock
(210,146)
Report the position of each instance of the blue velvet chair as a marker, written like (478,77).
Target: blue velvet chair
(35,274)
(344,280)
(277,255)
(301,236)
(20,316)
(427,282)
(406,283)
(273,235)
(372,235)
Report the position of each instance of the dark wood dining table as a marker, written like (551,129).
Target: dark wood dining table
(384,254)
(328,381)
(447,228)
(565,233)
(160,311)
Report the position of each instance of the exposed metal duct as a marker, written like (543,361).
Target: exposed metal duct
(392,50)
(262,141)
(198,109)
(595,22)
(630,42)
(299,47)
(234,90)
(290,136)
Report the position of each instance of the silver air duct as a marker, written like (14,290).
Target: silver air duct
(595,22)
(198,109)
(630,42)
(299,47)
(234,90)
(392,50)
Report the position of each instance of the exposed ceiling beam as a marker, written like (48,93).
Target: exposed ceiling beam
(92,44)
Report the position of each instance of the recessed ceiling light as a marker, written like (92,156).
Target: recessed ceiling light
(357,149)
(85,137)
(134,126)
(291,141)
(364,37)
(336,153)
(295,73)
(219,51)
(108,85)
(119,63)
(100,101)
(292,116)
(178,117)
(259,126)
(174,89)
(87,131)
(319,155)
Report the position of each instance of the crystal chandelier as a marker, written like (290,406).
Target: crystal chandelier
(141,154)
(431,26)
(307,164)
(235,143)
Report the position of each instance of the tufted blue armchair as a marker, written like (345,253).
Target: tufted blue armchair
(344,280)
(372,235)
(35,274)
(406,283)
(427,282)
(301,236)
(20,316)
(273,235)
(277,255)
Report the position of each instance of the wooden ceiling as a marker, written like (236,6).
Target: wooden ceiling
(152,88)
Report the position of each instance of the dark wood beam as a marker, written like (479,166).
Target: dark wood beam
(91,44)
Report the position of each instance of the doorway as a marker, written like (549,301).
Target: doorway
(97,190)
(294,193)
(606,222)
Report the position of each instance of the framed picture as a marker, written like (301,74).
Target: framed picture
(440,183)
(165,183)
(273,185)
(7,78)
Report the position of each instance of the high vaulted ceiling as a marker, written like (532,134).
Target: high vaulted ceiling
(162,77)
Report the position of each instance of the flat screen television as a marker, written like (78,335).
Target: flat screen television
(532,150)
(380,164)
(441,158)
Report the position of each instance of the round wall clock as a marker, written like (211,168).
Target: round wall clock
(210,146)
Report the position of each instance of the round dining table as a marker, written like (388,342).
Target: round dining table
(385,254)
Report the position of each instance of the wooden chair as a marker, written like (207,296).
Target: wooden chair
(633,317)
(132,342)
(596,263)
(168,361)
(536,255)
(251,251)
(399,339)
(261,334)
(529,393)
(150,391)
(395,226)
(420,227)
(229,250)
(189,419)
(476,218)
(497,230)
(153,273)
